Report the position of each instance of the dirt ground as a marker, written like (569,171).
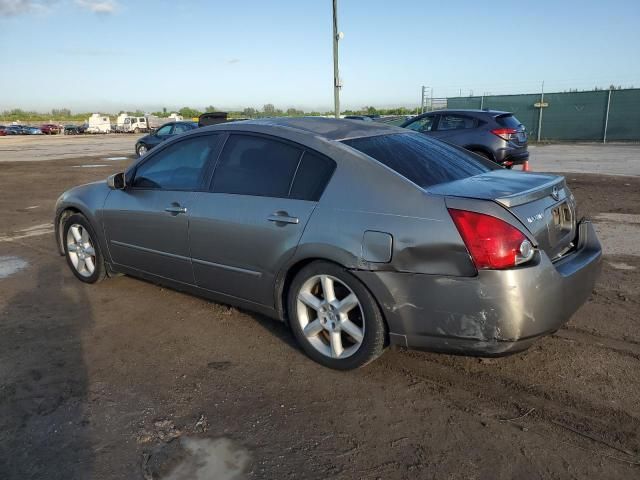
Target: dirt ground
(125,378)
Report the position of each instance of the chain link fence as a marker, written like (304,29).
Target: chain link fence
(601,115)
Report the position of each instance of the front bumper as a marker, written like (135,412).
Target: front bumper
(494,313)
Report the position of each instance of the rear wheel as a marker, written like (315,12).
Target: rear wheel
(82,250)
(334,318)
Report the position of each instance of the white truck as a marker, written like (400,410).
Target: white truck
(154,122)
(99,123)
(129,124)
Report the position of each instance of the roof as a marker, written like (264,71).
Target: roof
(327,128)
(468,110)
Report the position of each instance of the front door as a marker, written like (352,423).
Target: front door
(251,220)
(147,224)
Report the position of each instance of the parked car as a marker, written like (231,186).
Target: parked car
(28,130)
(14,130)
(496,135)
(166,131)
(358,235)
(50,129)
(75,129)
(364,118)
(3,130)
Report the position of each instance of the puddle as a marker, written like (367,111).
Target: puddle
(89,166)
(35,231)
(191,458)
(10,265)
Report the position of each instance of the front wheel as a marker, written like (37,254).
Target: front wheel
(334,318)
(82,250)
(141,149)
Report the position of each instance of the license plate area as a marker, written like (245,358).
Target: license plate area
(561,224)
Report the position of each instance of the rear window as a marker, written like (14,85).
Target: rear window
(508,121)
(422,160)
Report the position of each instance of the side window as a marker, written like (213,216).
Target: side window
(180,128)
(166,130)
(423,125)
(455,122)
(252,165)
(312,177)
(177,167)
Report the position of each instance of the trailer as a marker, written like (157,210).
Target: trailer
(99,123)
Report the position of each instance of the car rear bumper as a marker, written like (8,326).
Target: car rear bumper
(494,313)
(511,156)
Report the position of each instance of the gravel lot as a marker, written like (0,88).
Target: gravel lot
(119,380)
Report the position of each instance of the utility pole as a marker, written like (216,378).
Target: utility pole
(606,118)
(336,75)
(540,116)
(424,99)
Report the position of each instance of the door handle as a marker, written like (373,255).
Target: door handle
(283,217)
(176,209)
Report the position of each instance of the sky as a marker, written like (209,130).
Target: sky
(111,55)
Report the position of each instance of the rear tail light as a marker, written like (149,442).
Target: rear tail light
(492,243)
(505,133)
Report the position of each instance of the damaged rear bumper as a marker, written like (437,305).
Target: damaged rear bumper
(494,313)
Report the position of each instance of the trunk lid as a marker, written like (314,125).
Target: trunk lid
(542,203)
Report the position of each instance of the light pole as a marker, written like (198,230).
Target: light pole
(337,36)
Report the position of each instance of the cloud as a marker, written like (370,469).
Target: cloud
(10,8)
(233,61)
(101,7)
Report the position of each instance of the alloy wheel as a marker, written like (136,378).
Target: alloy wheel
(330,316)
(81,250)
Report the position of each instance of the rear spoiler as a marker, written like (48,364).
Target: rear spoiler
(544,190)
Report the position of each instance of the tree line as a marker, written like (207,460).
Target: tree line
(268,110)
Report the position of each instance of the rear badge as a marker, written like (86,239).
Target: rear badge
(537,216)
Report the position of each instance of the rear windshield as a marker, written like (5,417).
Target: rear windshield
(508,121)
(422,160)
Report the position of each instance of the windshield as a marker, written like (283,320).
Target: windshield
(422,160)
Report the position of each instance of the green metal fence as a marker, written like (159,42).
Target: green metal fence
(602,115)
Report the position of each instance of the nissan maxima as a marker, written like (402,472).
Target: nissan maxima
(357,235)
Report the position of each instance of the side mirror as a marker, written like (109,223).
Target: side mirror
(116,181)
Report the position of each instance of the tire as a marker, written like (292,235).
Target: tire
(141,149)
(82,250)
(136,130)
(361,330)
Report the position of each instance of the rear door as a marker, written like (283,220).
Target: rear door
(146,225)
(249,223)
(455,128)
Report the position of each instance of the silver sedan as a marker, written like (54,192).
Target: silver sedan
(358,235)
